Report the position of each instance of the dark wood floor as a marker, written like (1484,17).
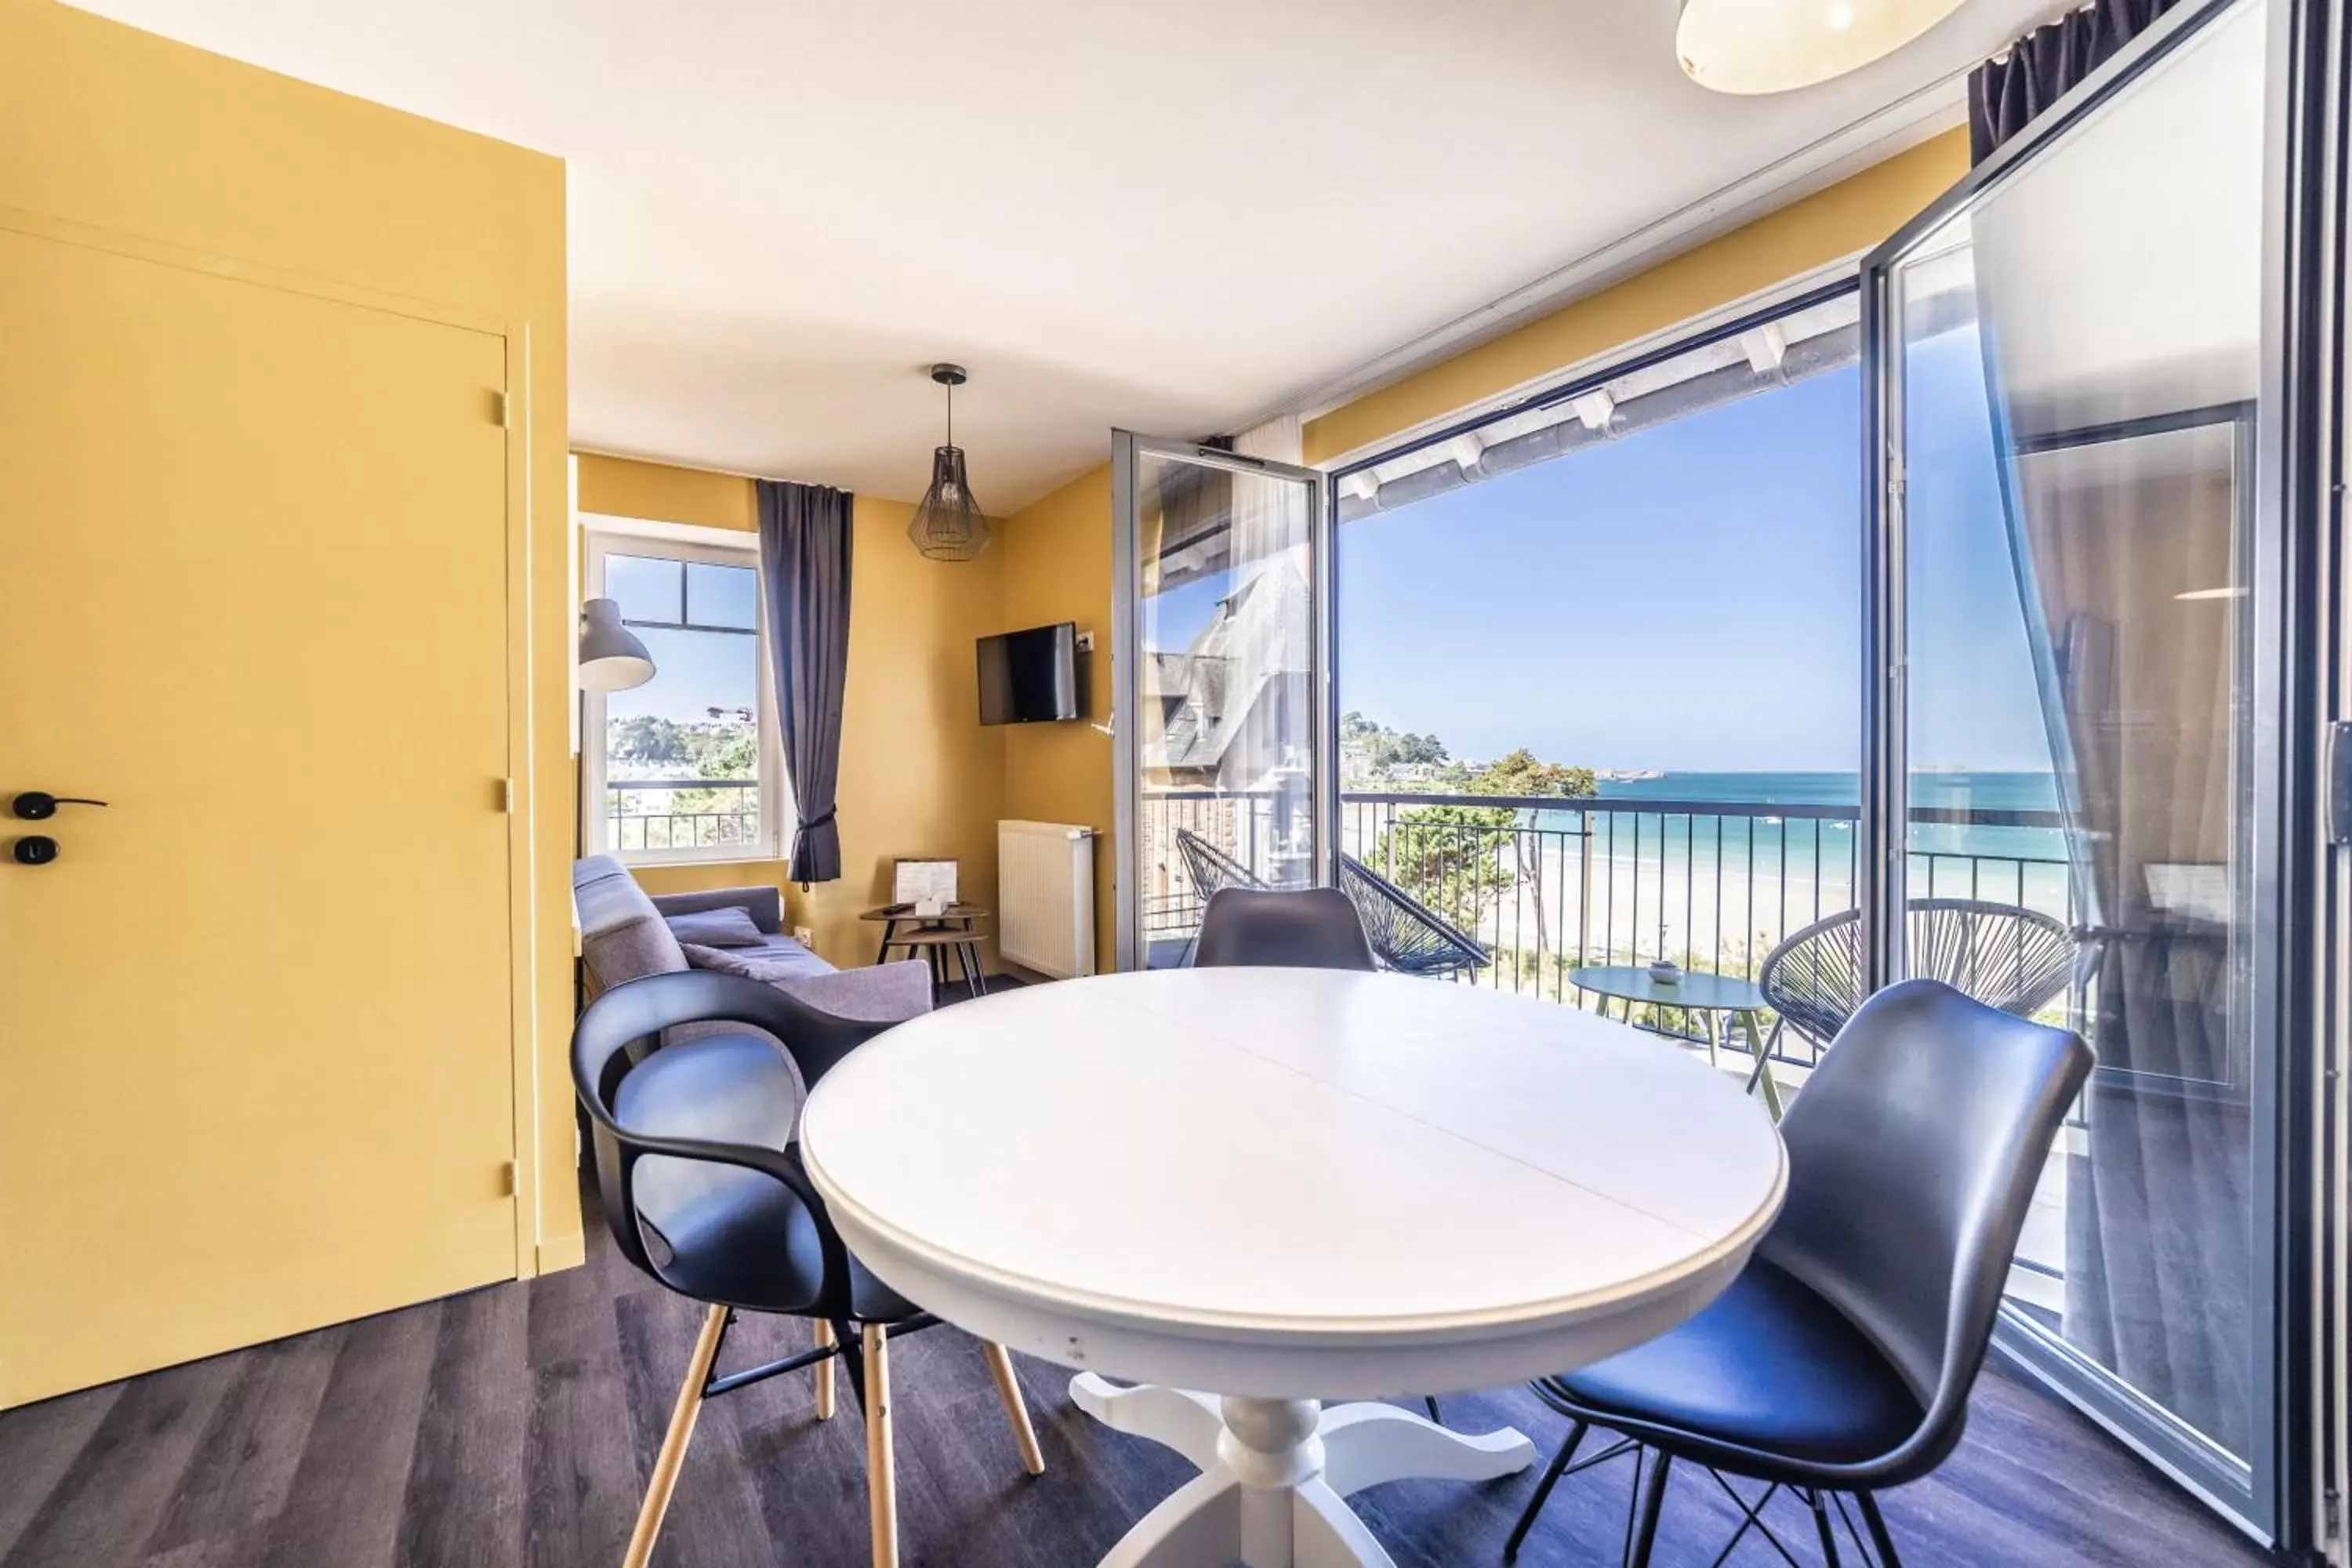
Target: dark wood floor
(517,1424)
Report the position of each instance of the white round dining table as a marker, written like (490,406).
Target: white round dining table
(1247,1192)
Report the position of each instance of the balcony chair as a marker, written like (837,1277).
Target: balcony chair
(1840,1361)
(2005,955)
(702,1187)
(1409,936)
(1406,936)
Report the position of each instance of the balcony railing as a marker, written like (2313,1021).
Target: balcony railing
(681,813)
(1551,885)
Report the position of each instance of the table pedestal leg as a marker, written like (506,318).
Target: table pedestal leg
(1274,1474)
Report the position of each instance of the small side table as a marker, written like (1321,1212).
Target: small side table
(1695,992)
(953,933)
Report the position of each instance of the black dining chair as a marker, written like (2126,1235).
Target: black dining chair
(701,1185)
(1295,928)
(1839,1363)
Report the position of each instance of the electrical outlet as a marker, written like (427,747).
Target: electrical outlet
(1086,642)
(804,936)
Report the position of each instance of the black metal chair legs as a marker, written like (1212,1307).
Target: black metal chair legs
(1647,1507)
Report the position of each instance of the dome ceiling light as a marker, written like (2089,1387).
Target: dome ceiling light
(1777,46)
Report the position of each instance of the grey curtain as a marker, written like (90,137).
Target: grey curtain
(804,547)
(2005,94)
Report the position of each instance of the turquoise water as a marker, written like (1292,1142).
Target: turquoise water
(1766,873)
(1979,792)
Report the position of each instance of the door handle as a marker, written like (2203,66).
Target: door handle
(39,805)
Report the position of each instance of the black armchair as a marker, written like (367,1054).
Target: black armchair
(1841,1360)
(702,1187)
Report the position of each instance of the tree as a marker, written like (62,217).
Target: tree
(1371,750)
(1451,858)
(646,738)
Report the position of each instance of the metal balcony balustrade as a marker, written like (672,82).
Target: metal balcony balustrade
(638,825)
(1567,883)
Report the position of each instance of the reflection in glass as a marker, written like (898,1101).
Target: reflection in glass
(1226,731)
(2078,391)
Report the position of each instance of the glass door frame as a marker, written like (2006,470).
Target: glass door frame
(1127,451)
(2273,1496)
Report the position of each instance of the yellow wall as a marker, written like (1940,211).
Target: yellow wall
(1057,568)
(1057,551)
(106,126)
(1851,215)
(920,776)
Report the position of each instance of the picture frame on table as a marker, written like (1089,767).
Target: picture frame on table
(927,884)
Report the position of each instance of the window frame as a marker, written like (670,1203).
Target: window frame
(603,536)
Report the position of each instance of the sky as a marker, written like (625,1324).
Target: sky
(1688,597)
(692,670)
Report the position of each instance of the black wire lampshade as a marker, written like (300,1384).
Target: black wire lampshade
(948,524)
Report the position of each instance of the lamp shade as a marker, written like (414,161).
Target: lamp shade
(611,657)
(1775,46)
(948,525)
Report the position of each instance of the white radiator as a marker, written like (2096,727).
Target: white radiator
(1045,897)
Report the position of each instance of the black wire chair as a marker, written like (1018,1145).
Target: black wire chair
(2005,955)
(1407,936)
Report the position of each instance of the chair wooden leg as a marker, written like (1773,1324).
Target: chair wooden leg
(674,1441)
(1016,1413)
(881,1473)
(824,1370)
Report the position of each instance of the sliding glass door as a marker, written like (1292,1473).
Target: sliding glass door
(1224,711)
(2079,750)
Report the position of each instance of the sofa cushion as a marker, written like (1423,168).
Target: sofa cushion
(764,904)
(775,958)
(730,926)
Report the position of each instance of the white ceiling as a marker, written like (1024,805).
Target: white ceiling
(1173,217)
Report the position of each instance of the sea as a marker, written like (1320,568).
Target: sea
(1696,882)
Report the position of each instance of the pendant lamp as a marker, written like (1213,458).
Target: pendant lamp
(948,525)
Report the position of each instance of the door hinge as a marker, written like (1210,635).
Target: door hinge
(499,408)
(507,797)
(508,1175)
(2334,1509)
(2339,782)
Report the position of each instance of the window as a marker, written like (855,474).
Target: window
(1636,594)
(684,767)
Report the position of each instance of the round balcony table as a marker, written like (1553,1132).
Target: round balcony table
(1695,992)
(1248,1191)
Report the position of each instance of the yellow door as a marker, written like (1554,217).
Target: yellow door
(256,1016)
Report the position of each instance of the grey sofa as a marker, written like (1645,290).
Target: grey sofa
(623,935)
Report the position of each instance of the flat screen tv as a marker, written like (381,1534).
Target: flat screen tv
(1031,677)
